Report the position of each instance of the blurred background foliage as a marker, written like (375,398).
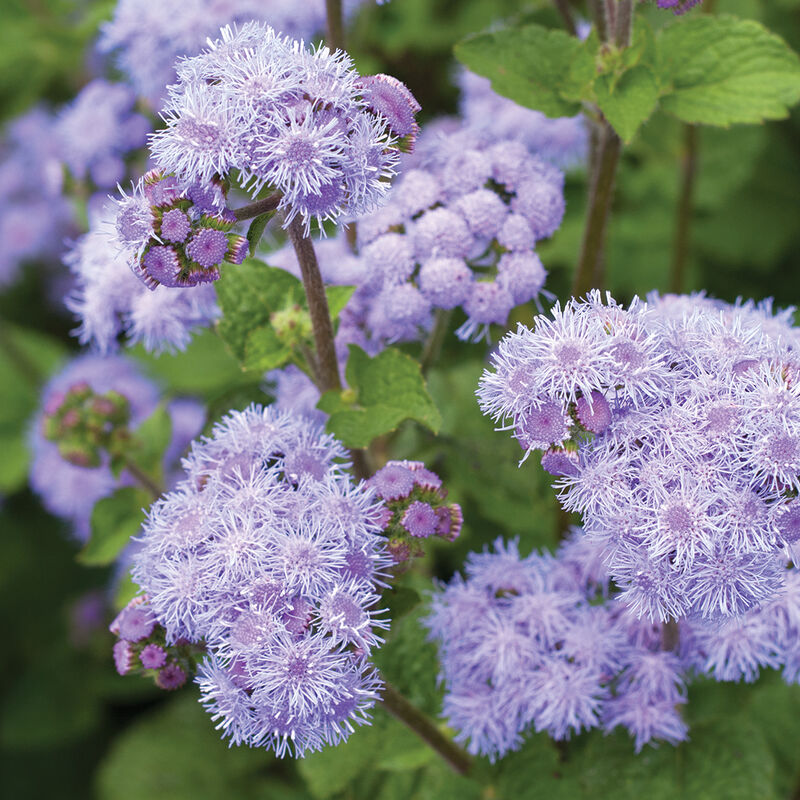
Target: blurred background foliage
(70,728)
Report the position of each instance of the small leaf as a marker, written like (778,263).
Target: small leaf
(151,440)
(534,66)
(629,101)
(724,70)
(114,520)
(389,389)
(338,298)
(256,230)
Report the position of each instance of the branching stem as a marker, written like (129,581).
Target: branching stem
(562,6)
(683,216)
(422,726)
(259,207)
(143,479)
(335,28)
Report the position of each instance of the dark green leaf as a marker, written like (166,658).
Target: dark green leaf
(114,520)
(536,67)
(388,389)
(256,230)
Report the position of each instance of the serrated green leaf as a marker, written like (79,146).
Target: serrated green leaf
(338,298)
(256,230)
(114,520)
(724,70)
(151,440)
(629,101)
(389,388)
(248,295)
(534,66)
(264,350)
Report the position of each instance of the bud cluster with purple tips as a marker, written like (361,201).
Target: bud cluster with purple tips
(142,648)
(271,556)
(415,508)
(177,237)
(84,424)
(540,643)
(674,427)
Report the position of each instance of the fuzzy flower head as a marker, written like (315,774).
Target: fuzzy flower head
(673,429)
(269,555)
(259,107)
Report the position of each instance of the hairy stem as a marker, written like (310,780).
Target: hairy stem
(143,479)
(670,635)
(590,270)
(623,24)
(326,364)
(334,37)
(420,724)
(597,9)
(562,6)
(683,217)
(435,340)
(258,208)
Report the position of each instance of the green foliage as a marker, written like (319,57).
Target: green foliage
(175,752)
(705,69)
(256,230)
(114,520)
(26,358)
(383,392)
(723,70)
(148,444)
(265,315)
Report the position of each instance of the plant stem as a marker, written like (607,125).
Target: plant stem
(590,270)
(683,220)
(326,364)
(435,340)
(597,9)
(259,207)
(670,635)
(623,29)
(334,37)
(143,479)
(422,726)
(562,6)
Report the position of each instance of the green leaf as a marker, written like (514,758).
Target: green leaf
(256,230)
(248,296)
(175,752)
(114,520)
(151,440)
(338,298)
(534,66)
(724,70)
(388,390)
(629,101)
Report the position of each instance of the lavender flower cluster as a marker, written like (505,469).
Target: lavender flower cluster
(674,429)
(176,237)
(34,216)
(109,300)
(269,554)
(540,642)
(149,38)
(459,229)
(299,122)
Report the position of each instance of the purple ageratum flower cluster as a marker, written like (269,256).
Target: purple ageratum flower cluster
(562,141)
(177,237)
(97,129)
(270,554)
(285,119)
(71,491)
(414,508)
(459,229)
(532,643)
(149,38)
(109,300)
(34,216)
(674,427)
